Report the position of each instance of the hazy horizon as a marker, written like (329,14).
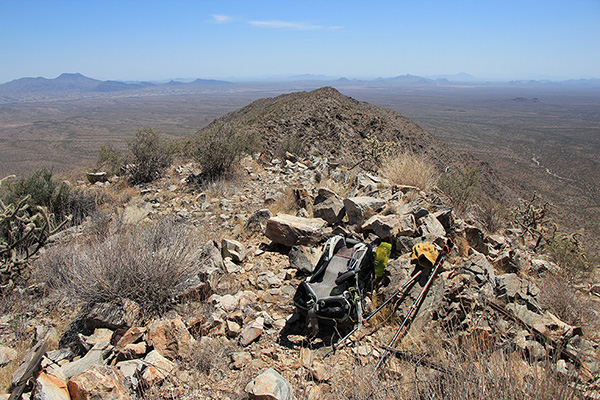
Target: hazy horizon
(247,40)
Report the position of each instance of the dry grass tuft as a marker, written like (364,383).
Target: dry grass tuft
(286,203)
(410,169)
(432,368)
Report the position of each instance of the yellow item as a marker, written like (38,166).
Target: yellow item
(382,256)
(424,254)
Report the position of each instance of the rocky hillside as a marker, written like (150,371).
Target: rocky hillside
(344,130)
(229,330)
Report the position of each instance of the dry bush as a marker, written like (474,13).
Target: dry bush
(492,216)
(120,193)
(462,188)
(150,156)
(223,187)
(410,169)
(572,307)
(433,368)
(146,264)
(217,149)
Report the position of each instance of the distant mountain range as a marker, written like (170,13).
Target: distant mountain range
(73,84)
(69,85)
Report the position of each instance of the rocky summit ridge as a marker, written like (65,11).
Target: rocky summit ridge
(335,126)
(233,333)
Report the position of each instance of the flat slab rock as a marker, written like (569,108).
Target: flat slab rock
(290,230)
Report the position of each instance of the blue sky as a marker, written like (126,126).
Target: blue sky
(157,40)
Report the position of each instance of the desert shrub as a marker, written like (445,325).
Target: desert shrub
(462,189)
(456,372)
(150,156)
(292,144)
(218,148)
(491,215)
(109,159)
(33,209)
(375,152)
(59,199)
(81,204)
(147,264)
(42,191)
(412,169)
(567,251)
(559,296)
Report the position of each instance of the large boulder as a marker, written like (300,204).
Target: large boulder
(360,208)
(289,230)
(269,385)
(97,382)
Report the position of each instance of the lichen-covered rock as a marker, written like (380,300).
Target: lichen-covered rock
(258,221)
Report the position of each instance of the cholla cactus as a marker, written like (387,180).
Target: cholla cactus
(23,232)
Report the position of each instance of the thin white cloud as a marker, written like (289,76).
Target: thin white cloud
(221,19)
(297,26)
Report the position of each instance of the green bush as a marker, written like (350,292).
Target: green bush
(462,189)
(150,156)
(43,191)
(110,159)
(24,229)
(568,253)
(218,148)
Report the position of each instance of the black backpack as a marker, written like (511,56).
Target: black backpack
(335,290)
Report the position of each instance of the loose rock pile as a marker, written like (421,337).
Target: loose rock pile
(242,342)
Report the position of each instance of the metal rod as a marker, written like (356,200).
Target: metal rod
(385,303)
(415,305)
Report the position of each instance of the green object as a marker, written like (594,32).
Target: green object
(382,255)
